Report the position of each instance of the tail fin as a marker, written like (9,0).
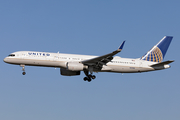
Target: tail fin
(157,53)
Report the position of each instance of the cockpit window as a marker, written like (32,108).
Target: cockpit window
(12,55)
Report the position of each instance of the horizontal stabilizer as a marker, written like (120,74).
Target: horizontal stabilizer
(162,63)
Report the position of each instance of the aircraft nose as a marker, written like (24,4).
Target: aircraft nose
(5,60)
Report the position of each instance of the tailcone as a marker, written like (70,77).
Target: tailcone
(167,66)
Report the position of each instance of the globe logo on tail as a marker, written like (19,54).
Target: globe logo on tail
(154,55)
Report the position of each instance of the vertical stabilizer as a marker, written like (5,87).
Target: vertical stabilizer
(157,53)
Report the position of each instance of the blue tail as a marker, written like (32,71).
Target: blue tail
(157,53)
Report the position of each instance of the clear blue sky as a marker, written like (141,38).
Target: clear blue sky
(93,27)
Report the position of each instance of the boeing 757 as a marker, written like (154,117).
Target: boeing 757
(73,64)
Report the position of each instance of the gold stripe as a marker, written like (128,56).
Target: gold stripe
(146,58)
(153,55)
(156,56)
(159,54)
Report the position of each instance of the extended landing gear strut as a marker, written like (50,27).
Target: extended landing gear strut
(23,69)
(88,77)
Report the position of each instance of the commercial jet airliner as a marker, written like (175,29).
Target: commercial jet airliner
(73,64)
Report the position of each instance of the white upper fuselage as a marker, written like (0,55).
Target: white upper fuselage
(59,60)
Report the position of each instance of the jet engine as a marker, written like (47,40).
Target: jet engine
(75,66)
(69,72)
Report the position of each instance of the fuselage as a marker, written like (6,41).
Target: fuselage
(59,60)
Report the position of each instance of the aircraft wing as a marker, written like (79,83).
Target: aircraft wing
(104,59)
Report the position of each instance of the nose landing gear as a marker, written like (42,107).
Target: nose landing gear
(23,69)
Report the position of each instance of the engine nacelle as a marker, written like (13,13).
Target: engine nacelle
(75,66)
(69,73)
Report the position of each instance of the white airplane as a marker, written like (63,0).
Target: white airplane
(73,64)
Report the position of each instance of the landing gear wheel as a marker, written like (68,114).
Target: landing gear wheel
(93,77)
(24,73)
(85,78)
(88,79)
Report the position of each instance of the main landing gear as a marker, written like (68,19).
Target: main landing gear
(88,77)
(23,69)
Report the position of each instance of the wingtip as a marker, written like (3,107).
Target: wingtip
(121,46)
(172,60)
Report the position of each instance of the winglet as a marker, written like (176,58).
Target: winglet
(121,46)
